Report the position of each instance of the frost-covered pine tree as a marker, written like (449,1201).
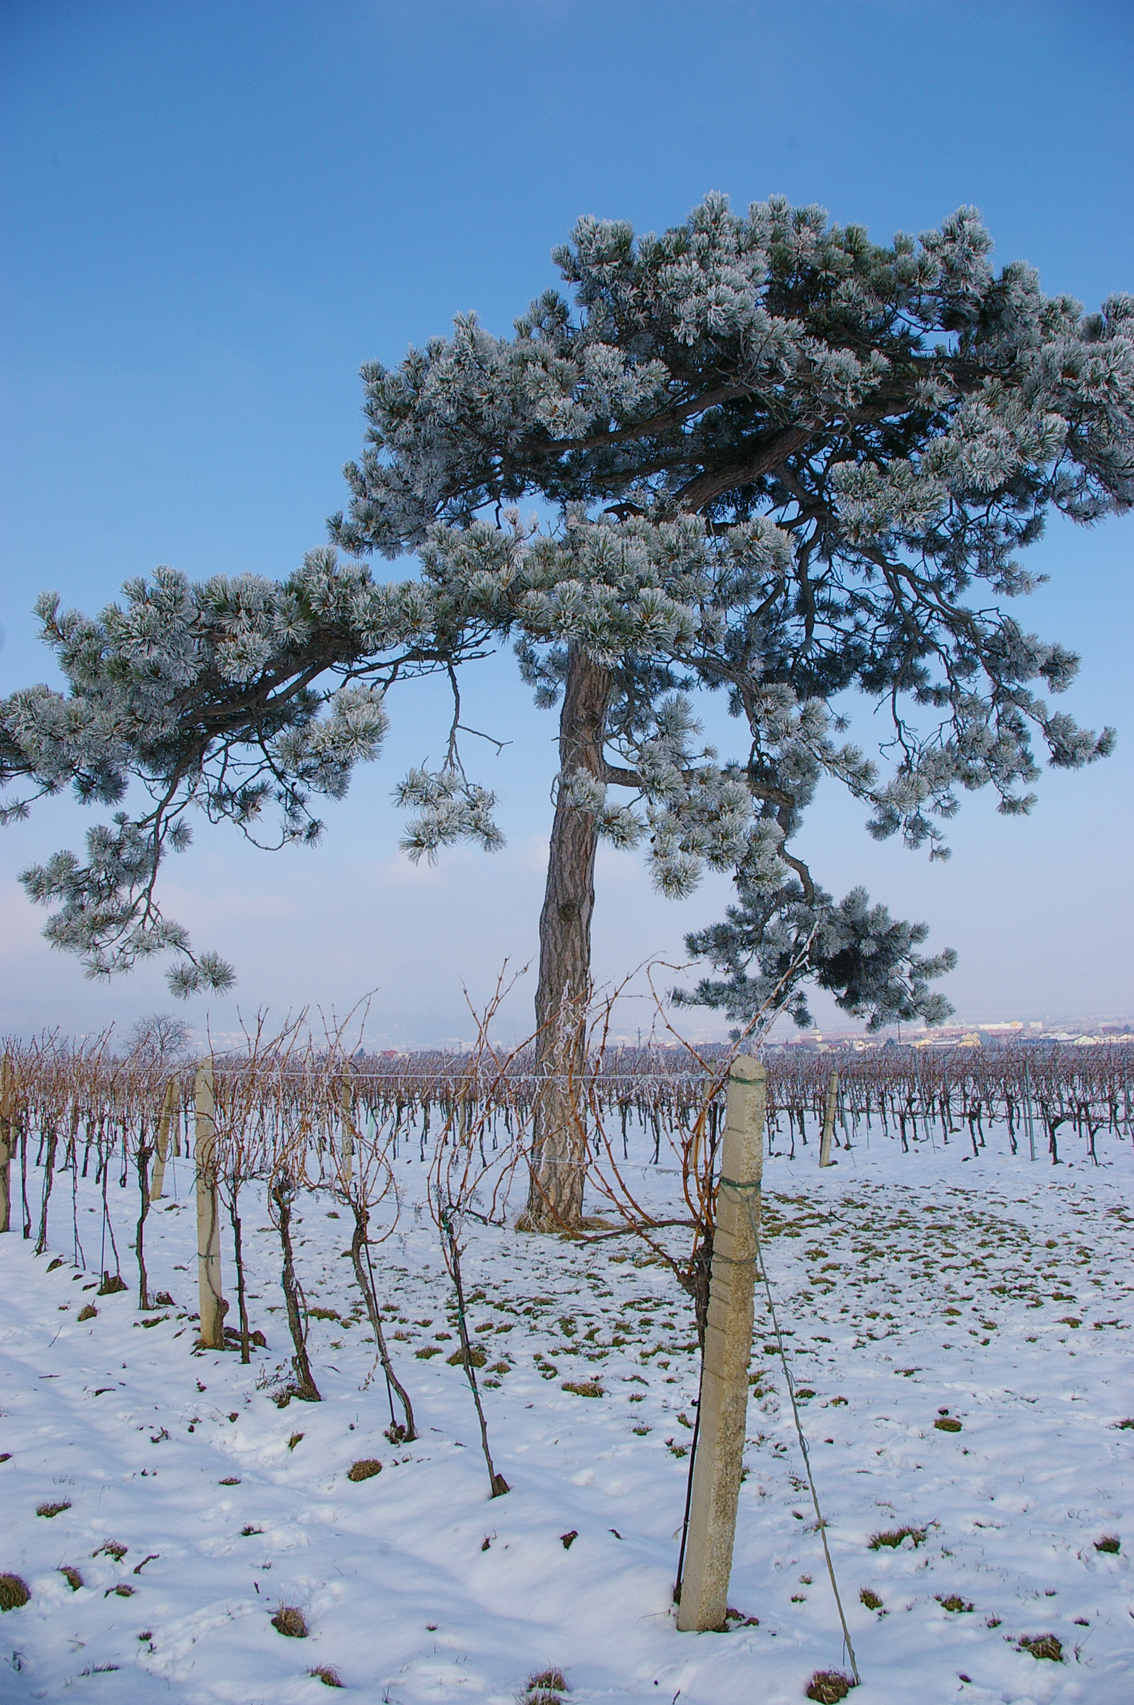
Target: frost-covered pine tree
(790,466)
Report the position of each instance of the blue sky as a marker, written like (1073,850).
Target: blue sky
(213,214)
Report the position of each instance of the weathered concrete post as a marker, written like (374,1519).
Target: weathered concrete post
(213,1305)
(161,1147)
(829,1120)
(346,1133)
(7,1116)
(728,1349)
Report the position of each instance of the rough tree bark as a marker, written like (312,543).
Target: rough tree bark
(142,1158)
(360,1260)
(212,1305)
(7,1119)
(558,1154)
(282,1192)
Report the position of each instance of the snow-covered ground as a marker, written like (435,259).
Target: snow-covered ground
(911,1288)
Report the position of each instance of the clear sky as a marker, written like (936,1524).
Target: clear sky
(214,213)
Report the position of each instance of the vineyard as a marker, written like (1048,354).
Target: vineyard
(376,1436)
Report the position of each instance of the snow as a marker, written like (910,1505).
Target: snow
(906,1285)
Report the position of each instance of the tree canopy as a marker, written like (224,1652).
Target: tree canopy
(790,466)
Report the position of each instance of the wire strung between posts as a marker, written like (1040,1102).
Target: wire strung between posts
(745,1192)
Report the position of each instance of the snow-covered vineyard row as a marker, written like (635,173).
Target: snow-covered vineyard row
(954,1316)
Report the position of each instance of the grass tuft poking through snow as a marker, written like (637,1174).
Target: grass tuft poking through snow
(897,1536)
(14,1592)
(1043,1646)
(544,1687)
(828,1686)
(290,1620)
(365,1469)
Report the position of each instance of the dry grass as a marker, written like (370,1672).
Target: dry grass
(475,1358)
(954,1603)
(828,1686)
(88,1312)
(13,1592)
(72,1577)
(894,1537)
(365,1469)
(946,1424)
(53,1509)
(870,1599)
(544,1687)
(327,1675)
(1109,1542)
(1042,1646)
(584,1387)
(290,1620)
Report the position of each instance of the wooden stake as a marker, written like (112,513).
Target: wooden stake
(829,1120)
(161,1147)
(213,1305)
(728,1348)
(7,1114)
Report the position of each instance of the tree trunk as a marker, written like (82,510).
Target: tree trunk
(212,1304)
(282,1192)
(142,1160)
(364,1278)
(559,1145)
(7,1122)
(48,1180)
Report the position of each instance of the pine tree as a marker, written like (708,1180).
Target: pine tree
(790,465)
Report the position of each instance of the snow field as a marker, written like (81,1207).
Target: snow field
(911,1290)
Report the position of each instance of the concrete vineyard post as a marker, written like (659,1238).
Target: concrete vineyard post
(1028,1113)
(161,1147)
(346,1138)
(829,1120)
(7,1115)
(728,1348)
(213,1305)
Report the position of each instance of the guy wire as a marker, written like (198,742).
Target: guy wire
(761,1268)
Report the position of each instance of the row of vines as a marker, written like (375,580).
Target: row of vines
(292,1117)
